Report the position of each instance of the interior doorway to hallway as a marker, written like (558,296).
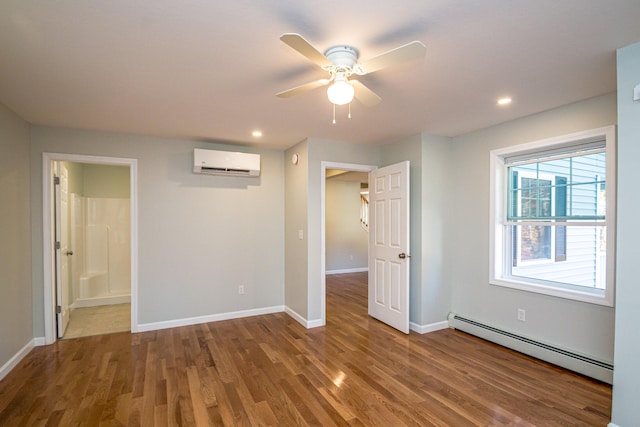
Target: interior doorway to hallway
(357,173)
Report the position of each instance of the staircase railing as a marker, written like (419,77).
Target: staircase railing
(364,212)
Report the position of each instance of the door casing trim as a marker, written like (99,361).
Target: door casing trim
(48,233)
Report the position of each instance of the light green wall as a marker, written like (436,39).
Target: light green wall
(16,325)
(346,241)
(435,202)
(410,148)
(626,376)
(199,236)
(76,181)
(584,328)
(108,181)
(296,250)
(429,157)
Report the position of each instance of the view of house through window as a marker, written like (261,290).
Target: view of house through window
(550,195)
(553,231)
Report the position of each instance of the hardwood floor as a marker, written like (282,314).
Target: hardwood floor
(269,370)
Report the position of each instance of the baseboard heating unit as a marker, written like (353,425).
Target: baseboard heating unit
(567,359)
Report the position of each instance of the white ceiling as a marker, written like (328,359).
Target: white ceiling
(209,70)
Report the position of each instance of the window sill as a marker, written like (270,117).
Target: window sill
(587,295)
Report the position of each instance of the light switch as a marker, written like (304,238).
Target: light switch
(636,93)
(300,234)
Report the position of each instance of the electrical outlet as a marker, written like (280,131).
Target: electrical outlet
(241,289)
(522,315)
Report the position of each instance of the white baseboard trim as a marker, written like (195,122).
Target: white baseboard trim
(432,327)
(314,323)
(13,362)
(145,327)
(94,302)
(612,425)
(304,322)
(39,341)
(346,270)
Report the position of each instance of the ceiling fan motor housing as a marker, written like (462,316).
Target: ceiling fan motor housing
(342,57)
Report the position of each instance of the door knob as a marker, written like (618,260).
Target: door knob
(69,253)
(403,256)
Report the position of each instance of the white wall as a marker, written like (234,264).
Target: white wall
(16,326)
(584,328)
(346,240)
(626,376)
(199,236)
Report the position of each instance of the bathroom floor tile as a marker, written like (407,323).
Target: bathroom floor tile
(104,319)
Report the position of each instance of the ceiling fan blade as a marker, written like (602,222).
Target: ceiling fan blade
(303,88)
(364,94)
(409,51)
(297,42)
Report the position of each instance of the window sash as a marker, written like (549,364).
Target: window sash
(558,223)
(564,152)
(562,185)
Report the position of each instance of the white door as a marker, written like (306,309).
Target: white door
(63,250)
(389,245)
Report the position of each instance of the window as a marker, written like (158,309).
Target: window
(553,217)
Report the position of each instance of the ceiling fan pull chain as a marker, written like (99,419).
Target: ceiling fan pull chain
(349,116)
(334,113)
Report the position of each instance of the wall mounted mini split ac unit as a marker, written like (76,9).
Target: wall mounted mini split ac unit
(226,163)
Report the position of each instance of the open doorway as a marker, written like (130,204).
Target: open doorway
(346,221)
(388,276)
(89,237)
(352,257)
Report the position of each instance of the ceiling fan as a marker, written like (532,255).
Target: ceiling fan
(341,62)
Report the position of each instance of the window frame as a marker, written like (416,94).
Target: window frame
(499,256)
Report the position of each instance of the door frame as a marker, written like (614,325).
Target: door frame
(324,165)
(48,236)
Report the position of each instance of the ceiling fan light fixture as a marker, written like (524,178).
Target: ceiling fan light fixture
(340,92)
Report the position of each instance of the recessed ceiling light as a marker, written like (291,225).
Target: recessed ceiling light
(256,133)
(504,101)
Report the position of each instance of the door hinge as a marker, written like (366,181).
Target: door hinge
(58,309)
(57,245)
(56,180)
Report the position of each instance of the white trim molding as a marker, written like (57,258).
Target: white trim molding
(308,324)
(347,270)
(432,327)
(154,326)
(17,358)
